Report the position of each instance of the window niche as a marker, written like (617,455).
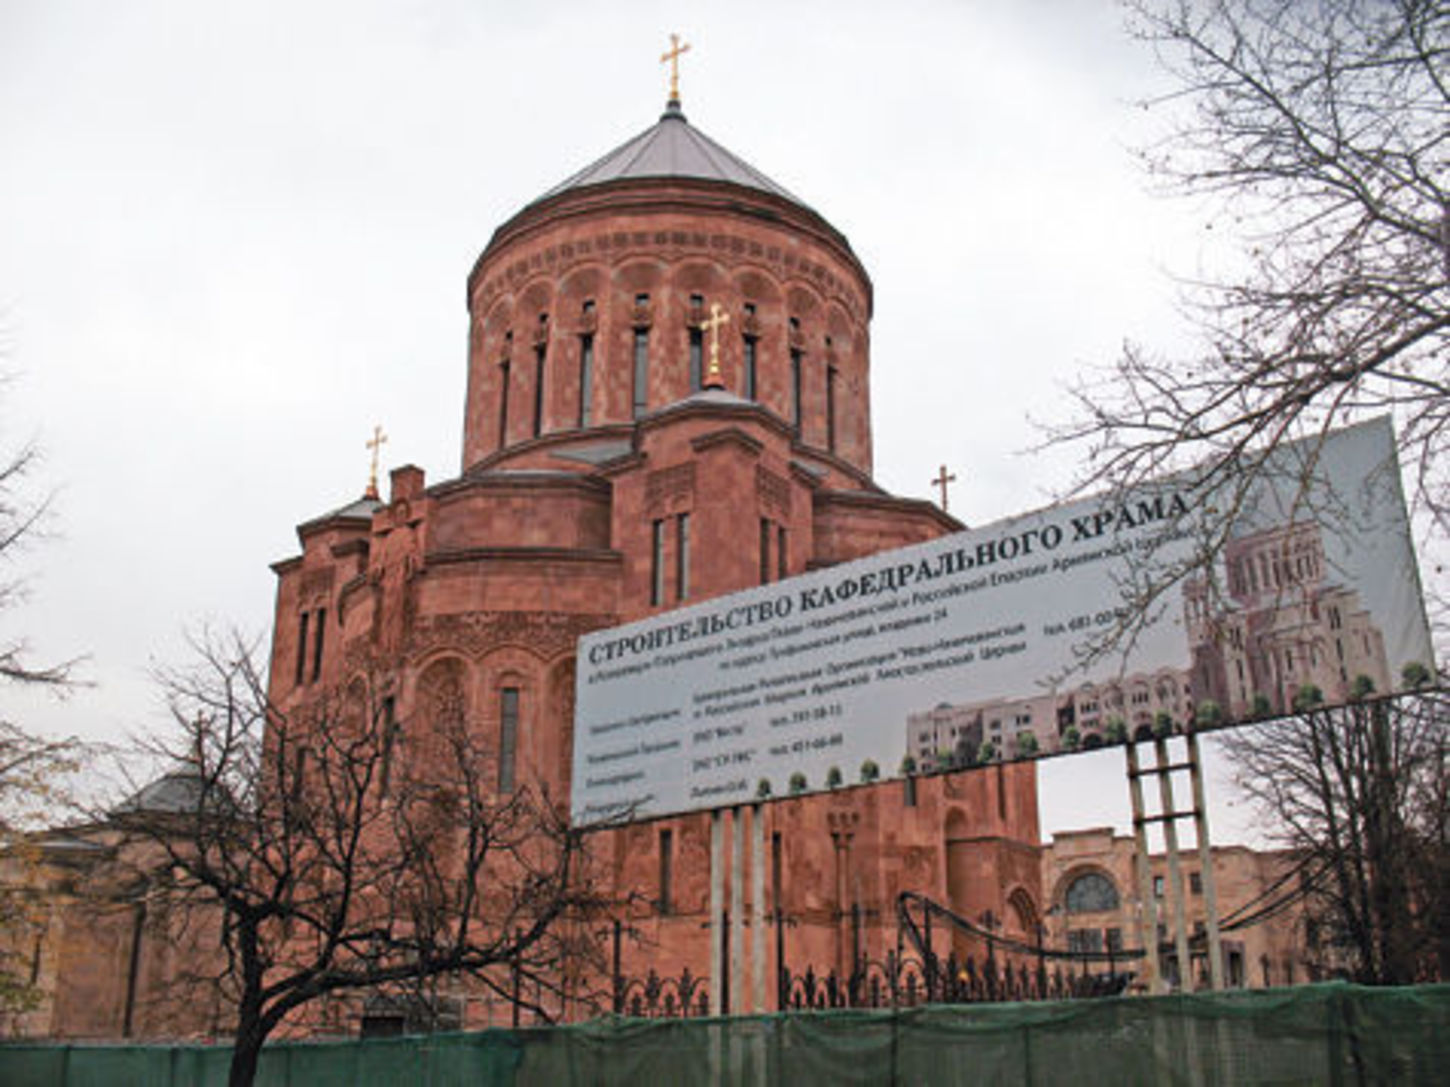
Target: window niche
(586,364)
(750,343)
(640,388)
(541,355)
(696,342)
(1091,892)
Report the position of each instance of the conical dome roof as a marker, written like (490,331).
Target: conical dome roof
(672,147)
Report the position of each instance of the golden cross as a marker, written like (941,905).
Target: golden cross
(672,57)
(718,317)
(941,481)
(375,444)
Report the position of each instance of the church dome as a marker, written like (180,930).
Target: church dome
(672,147)
(587,307)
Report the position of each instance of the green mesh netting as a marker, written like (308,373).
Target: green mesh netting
(1323,1034)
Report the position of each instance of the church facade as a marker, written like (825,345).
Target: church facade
(667,400)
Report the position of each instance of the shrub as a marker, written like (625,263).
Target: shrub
(1416,675)
(1307,698)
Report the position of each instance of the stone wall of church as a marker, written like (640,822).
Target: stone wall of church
(836,864)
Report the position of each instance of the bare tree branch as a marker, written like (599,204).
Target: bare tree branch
(341,851)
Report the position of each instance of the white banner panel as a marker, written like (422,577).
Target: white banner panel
(975,646)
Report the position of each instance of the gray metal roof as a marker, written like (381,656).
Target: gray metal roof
(176,792)
(672,148)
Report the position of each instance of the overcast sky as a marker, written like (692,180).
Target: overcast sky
(235,236)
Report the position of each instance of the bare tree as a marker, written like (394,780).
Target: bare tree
(1359,793)
(33,769)
(1315,135)
(1318,135)
(338,853)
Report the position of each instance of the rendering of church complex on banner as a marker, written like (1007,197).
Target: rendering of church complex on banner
(1016,639)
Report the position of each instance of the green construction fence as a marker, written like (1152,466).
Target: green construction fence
(1315,1034)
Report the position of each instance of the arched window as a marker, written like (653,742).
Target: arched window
(1023,912)
(1091,892)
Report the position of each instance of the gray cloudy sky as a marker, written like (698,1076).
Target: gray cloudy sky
(234,236)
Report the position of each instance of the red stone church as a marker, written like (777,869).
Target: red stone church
(668,398)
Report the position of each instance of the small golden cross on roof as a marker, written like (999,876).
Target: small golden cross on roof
(941,481)
(671,56)
(375,444)
(718,317)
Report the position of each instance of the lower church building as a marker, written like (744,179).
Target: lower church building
(668,399)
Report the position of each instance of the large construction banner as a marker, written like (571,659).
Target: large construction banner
(1060,630)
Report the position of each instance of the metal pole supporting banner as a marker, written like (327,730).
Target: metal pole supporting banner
(1175,869)
(717,909)
(737,910)
(1153,975)
(757,908)
(1205,866)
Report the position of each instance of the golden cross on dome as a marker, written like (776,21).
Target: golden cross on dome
(941,481)
(718,317)
(375,444)
(671,57)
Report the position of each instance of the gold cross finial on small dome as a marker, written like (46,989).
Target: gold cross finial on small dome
(713,378)
(941,481)
(671,56)
(375,444)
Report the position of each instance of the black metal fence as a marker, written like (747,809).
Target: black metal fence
(905,981)
(655,997)
(898,981)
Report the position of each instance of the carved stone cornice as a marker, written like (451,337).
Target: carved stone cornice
(474,633)
(613,246)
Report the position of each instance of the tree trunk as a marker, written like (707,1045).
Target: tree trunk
(245,1051)
(252,1029)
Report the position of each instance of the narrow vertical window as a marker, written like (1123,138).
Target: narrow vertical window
(831,408)
(657,564)
(697,344)
(586,377)
(776,870)
(503,403)
(667,865)
(782,565)
(317,642)
(641,371)
(389,718)
(541,354)
(682,557)
(796,363)
(697,360)
(301,649)
(508,736)
(749,353)
(586,369)
(641,355)
(764,551)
